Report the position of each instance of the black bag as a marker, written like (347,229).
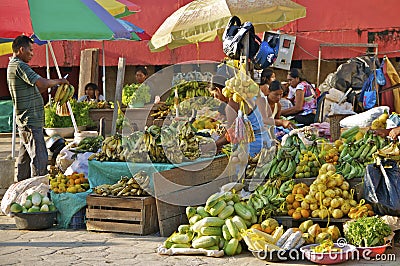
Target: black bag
(382,188)
(232,38)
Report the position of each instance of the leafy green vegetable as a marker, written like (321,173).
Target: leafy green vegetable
(80,110)
(135,93)
(367,232)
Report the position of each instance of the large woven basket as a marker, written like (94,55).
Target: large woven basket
(334,121)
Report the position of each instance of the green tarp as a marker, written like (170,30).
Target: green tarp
(6,112)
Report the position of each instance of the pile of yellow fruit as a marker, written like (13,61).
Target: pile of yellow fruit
(380,122)
(73,183)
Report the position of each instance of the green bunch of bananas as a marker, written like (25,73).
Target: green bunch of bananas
(64,93)
(111,150)
(89,144)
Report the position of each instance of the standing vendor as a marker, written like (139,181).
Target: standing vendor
(25,87)
(255,109)
(304,97)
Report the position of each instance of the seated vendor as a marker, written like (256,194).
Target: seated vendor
(255,109)
(304,97)
(92,93)
(273,99)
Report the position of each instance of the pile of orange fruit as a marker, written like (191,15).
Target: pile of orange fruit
(74,183)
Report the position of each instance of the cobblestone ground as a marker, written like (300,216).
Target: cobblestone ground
(80,247)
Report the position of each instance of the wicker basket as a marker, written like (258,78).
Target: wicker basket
(334,121)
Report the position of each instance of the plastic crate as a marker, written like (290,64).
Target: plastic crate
(78,221)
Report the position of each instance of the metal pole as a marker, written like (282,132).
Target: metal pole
(48,71)
(14,130)
(319,65)
(103,78)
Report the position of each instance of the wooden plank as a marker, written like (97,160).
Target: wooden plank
(193,195)
(166,210)
(196,174)
(129,216)
(118,93)
(89,69)
(128,203)
(114,227)
(170,225)
(150,218)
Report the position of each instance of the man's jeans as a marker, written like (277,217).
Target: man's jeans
(33,158)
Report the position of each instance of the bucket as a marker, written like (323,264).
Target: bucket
(7,174)
(78,136)
(35,220)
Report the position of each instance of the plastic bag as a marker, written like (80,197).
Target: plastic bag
(382,188)
(19,191)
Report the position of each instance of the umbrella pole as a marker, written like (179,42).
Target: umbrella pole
(59,76)
(14,131)
(48,71)
(103,78)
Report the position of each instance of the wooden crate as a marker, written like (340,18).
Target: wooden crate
(135,215)
(180,187)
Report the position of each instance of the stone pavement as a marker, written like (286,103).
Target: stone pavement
(80,247)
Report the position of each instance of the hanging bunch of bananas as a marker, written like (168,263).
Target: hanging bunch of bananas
(186,107)
(125,187)
(64,93)
(240,87)
(111,150)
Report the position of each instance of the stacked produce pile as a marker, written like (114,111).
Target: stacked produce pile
(88,144)
(174,143)
(391,151)
(356,151)
(125,187)
(35,202)
(74,183)
(261,238)
(217,225)
(288,156)
(267,199)
(135,93)
(329,195)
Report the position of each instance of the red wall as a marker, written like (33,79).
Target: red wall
(326,21)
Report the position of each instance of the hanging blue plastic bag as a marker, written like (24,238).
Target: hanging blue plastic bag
(380,77)
(368,94)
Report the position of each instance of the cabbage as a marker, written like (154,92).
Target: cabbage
(52,207)
(28,204)
(34,209)
(45,200)
(36,198)
(15,207)
(44,208)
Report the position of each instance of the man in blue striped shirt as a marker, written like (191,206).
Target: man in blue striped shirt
(25,87)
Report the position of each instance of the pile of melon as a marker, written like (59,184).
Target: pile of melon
(35,202)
